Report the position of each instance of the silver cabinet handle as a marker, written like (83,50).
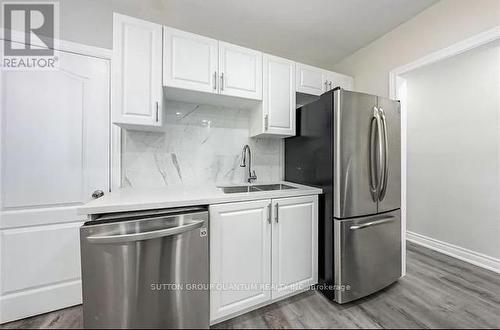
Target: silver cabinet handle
(222,81)
(276,216)
(269,213)
(145,235)
(156,111)
(266,122)
(326,85)
(386,155)
(215,80)
(372,223)
(330,84)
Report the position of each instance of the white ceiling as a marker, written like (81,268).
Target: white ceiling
(317,32)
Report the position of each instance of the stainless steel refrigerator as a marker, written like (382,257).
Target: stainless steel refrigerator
(348,143)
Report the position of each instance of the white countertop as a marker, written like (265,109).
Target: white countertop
(133,199)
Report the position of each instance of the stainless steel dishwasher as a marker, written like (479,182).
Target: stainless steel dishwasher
(146,269)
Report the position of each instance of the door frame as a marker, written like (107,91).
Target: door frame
(398,90)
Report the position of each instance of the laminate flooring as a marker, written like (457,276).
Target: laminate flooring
(437,292)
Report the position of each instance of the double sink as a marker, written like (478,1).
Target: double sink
(254,188)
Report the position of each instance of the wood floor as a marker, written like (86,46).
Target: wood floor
(437,292)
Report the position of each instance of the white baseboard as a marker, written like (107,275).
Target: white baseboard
(36,301)
(472,257)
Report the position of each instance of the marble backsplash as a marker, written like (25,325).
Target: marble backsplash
(199,144)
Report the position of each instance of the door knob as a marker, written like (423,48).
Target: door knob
(97,193)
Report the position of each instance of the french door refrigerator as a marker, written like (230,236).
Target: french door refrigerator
(348,144)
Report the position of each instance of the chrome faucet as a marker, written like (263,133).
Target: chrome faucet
(251,174)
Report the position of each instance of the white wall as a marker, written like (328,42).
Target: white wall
(439,26)
(453,148)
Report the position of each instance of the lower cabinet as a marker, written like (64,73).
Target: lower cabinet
(240,256)
(294,245)
(261,251)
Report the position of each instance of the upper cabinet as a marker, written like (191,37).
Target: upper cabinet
(334,79)
(240,71)
(190,61)
(276,115)
(152,63)
(136,71)
(195,63)
(310,80)
(316,81)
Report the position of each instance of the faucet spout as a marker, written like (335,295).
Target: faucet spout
(251,174)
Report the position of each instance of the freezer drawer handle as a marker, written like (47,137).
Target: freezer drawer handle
(372,223)
(145,235)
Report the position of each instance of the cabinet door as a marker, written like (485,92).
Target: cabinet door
(279,96)
(295,244)
(190,61)
(240,256)
(240,71)
(310,80)
(137,60)
(335,79)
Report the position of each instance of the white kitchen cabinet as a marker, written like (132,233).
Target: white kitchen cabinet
(334,79)
(261,251)
(310,80)
(240,71)
(295,245)
(240,256)
(190,61)
(137,70)
(276,115)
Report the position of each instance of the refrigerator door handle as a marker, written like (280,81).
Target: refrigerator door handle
(372,158)
(372,223)
(380,177)
(386,155)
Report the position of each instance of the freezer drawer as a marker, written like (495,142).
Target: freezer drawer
(367,254)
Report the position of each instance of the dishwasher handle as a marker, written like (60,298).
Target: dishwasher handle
(125,238)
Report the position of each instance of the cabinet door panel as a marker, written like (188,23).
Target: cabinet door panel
(310,80)
(240,71)
(137,62)
(295,246)
(335,79)
(279,97)
(240,256)
(190,61)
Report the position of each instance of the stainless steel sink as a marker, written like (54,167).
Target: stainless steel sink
(277,186)
(253,188)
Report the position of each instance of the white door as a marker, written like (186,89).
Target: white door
(279,96)
(240,256)
(189,61)
(295,244)
(137,71)
(310,80)
(55,153)
(240,71)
